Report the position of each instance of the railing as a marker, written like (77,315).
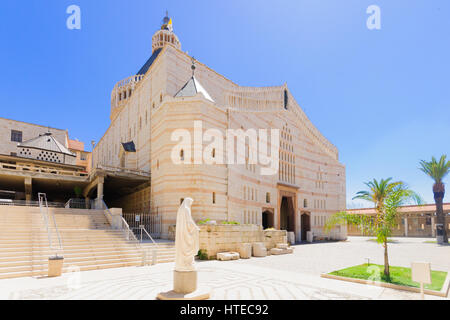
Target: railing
(151,222)
(25,203)
(143,234)
(75,203)
(30,168)
(44,212)
(127,81)
(122,169)
(128,233)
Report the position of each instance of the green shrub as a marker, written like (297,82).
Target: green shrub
(230,222)
(202,255)
(201,222)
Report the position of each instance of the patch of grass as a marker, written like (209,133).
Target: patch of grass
(435,242)
(399,275)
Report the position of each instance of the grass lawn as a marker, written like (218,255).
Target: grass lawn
(433,241)
(399,275)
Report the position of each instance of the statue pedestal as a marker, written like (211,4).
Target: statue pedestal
(184,281)
(184,288)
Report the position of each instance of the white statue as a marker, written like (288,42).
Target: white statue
(186,238)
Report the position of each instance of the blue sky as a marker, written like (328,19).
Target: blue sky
(381,96)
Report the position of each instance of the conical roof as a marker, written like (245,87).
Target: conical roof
(191,88)
(46,142)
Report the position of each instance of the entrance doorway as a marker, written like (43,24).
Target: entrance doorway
(306,224)
(287,214)
(267,219)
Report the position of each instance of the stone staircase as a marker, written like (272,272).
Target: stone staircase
(88,242)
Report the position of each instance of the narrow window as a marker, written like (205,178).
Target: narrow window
(213,197)
(267,197)
(16,136)
(182,155)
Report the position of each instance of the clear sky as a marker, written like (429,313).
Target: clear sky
(381,96)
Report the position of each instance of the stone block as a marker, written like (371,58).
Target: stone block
(279,251)
(245,250)
(226,256)
(309,236)
(259,250)
(282,245)
(291,238)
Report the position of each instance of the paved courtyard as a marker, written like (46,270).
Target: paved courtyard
(295,276)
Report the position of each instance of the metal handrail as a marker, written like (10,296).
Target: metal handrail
(125,226)
(142,228)
(43,199)
(126,229)
(25,203)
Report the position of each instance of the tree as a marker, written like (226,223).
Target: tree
(387,197)
(437,171)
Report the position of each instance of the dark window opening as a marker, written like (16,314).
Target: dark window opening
(16,136)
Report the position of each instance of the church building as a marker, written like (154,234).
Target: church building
(135,170)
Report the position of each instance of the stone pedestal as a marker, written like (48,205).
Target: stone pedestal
(291,238)
(259,250)
(184,281)
(55,265)
(309,237)
(245,250)
(184,288)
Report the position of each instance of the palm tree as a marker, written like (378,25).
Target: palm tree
(437,171)
(387,197)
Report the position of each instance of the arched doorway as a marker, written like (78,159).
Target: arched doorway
(287,214)
(267,219)
(306,224)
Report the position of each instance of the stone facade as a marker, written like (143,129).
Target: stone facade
(310,185)
(27,131)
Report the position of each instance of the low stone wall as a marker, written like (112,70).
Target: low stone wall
(222,238)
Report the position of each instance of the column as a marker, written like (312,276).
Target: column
(433,227)
(28,189)
(101,181)
(406,225)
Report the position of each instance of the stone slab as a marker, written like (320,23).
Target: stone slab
(226,256)
(199,294)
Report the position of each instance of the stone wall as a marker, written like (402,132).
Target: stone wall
(222,238)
